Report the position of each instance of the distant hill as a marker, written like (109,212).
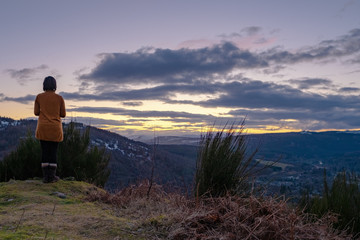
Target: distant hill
(130,161)
(302,156)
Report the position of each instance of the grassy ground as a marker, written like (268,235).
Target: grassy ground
(33,210)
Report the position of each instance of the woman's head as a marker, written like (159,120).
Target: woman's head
(49,84)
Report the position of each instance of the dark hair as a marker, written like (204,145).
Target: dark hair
(49,84)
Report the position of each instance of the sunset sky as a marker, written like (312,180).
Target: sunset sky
(175,67)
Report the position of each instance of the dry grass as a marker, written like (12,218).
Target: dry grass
(172,216)
(92,213)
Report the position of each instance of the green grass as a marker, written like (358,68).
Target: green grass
(30,210)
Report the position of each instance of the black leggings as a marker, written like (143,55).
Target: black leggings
(48,150)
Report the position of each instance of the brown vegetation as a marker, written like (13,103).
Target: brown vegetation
(172,216)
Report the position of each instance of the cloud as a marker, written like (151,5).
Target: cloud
(24,100)
(161,93)
(205,77)
(349,89)
(132,104)
(251,37)
(345,7)
(354,60)
(103,123)
(258,94)
(140,114)
(186,66)
(347,45)
(26,74)
(301,119)
(251,31)
(171,66)
(243,93)
(265,103)
(308,83)
(273,69)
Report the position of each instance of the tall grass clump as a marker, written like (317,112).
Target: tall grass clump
(223,165)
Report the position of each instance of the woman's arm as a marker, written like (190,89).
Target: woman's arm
(36,107)
(62,108)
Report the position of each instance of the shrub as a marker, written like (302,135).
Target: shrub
(343,199)
(24,162)
(76,158)
(223,165)
(80,160)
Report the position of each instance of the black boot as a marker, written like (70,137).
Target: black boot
(52,173)
(45,171)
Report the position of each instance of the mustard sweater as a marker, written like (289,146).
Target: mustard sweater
(50,107)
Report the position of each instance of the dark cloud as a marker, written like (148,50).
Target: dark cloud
(257,94)
(161,93)
(265,102)
(100,122)
(273,69)
(171,66)
(140,114)
(238,94)
(24,100)
(247,31)
(339,118)
(186,66)
(25,74)
(346,45)
(311,82)
(230,36)
(349,89)
(132,104)
(208,71)
(251,31)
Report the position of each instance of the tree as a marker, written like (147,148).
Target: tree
(76,158)
(223,165)
(80,160)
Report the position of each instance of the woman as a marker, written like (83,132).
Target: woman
(50,107)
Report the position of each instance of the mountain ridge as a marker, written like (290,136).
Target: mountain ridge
(302,156)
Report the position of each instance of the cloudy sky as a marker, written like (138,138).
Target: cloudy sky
(178,66)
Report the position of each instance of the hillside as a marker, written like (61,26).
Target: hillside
(76,210)
(130,160)
(301,157)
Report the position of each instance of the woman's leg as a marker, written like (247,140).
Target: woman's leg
(49,161)
(53,152)
(45,160)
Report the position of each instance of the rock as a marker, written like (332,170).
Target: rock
(59,194)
